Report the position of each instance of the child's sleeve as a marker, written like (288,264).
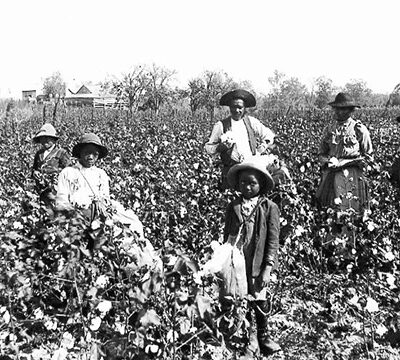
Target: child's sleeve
(35,165)
(65,159)
(272,235)
(228,221)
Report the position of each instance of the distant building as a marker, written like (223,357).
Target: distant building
(28,95)
(90,95)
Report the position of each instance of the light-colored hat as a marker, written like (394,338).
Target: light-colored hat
(89,138)
(46,130)
(233,174)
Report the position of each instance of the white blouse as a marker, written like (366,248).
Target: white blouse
(78,185)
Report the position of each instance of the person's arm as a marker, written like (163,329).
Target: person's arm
(35,167)
(229,213)
(63,190)
(214,145)
(65,159)
(272,243)
(364,139)
(104,186)
(323,153)
(265,136)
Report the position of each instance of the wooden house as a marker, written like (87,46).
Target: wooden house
(28,95)
(90,95)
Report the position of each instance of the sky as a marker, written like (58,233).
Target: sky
(89,40)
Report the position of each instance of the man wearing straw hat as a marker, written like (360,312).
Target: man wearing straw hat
(239,136)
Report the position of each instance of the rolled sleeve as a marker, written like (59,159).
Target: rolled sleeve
(264,134)
(211,146)
(63,189)
(364,140)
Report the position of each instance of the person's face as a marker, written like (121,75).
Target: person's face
(249,184)
(342,114)
(89,155)
(47,142)
(237,109)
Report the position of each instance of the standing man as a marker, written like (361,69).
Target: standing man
(239,136)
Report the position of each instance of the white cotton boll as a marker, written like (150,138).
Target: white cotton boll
(381,329)
(389,256)
(372,305)
(17,225)
(95,323)
(391,279)
(104,306)
(6,317)
(337,201)
(102,281)
(38,314)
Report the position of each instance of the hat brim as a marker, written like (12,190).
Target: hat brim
(36,139)
(233,175)
(344,105)
(247,97)
(76,150)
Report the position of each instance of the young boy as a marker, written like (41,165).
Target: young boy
(48,162)
(258,219)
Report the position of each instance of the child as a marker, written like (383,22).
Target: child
(84,184)
(257,218)
(48,162)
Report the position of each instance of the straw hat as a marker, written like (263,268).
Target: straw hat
(233,174)
(248,98)
(46,130)
(89,138)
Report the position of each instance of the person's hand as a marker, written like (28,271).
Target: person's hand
(227,139)
(265,277)
(333,162)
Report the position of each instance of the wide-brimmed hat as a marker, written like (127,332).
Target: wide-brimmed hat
(46,130)
(248,98)
(89,138)
(343,100)
(233,174)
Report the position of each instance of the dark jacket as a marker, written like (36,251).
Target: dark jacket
(266,231)
(57,160)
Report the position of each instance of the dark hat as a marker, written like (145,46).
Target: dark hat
(233,174)
(46,130)
(89,138)
(248,98)
(343,100)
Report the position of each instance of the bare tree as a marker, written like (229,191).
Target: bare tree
(158,89)
(131,88)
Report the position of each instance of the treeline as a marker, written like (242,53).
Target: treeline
(152,87)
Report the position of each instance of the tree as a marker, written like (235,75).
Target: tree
(54,85)
(196,94)
(359,90)
(286,92)
(206,90)
(132,87)
(158,89)
(323,91)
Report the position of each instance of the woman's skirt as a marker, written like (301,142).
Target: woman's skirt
(344,188)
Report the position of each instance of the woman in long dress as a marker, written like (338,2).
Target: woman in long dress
(344,153)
